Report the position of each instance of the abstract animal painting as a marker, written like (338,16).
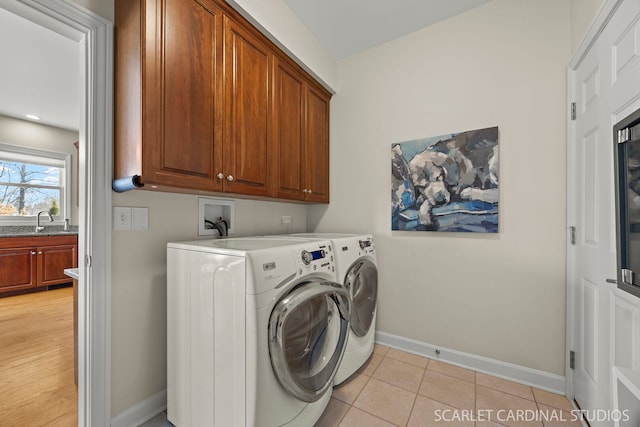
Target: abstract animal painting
(446,183)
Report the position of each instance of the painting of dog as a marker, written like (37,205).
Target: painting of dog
(446,183)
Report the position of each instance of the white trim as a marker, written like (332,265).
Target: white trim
(95,37)
(597,26)
(570,249)
(142,411)
(600,21)
(509,371)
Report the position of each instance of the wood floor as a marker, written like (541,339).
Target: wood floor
(36,360)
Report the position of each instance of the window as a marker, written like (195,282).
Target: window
(33,180)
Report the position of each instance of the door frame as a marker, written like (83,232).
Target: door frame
(609,7)
(94,35)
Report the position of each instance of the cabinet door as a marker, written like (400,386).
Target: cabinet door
(17,269)
(289,111)
(248,112)
(317,147)
(182,90)
(52,260)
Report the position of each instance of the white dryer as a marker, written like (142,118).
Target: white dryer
(357,269)
(256,330)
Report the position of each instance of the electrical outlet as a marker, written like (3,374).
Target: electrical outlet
(121,218)
(286,219)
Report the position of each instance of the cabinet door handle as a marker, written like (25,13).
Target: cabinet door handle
(229,178)
(309,191)
(39,253)
(220,175)
(305,191)
(33,253)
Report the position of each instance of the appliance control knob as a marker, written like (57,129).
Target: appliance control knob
(306,257)
(365,244)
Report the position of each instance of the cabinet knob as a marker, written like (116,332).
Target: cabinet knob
(220,175)
(39,253)
(33,253)
(229,177)
(305,191)
(309,191)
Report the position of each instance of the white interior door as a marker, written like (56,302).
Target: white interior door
(605,84)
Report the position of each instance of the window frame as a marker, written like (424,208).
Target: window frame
(66,184)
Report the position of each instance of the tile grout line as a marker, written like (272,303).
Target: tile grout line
(506,392)
(415,398)
(427,369)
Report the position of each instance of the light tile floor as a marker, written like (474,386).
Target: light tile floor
(396,388)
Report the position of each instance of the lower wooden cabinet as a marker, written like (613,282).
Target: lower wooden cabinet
(17,268)
(38,261)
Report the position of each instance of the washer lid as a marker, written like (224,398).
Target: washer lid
(308,331)
(362,283)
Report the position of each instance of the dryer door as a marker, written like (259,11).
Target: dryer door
(362,283)
(308,331)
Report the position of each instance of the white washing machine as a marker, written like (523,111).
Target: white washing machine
(256,330)
(357,269)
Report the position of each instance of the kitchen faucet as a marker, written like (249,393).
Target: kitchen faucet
(39,227)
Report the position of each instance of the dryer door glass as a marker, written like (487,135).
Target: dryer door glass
(362,283)
(307,337)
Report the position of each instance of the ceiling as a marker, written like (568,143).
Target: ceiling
(39,73)
(40,69)
(345,27)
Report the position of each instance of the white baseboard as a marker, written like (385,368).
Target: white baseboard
(142,411)
(152,406)
(509,371)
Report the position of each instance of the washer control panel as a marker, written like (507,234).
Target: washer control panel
(366,246)
(315,257)
(308,257)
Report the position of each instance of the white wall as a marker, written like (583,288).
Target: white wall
(138,286)
(583,13)
(29,134)
(501,296)
(138,299)
(503,64)
(103,8)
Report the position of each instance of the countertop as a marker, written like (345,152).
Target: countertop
(74,273)
(29,231)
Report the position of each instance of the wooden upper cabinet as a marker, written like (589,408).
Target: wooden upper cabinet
(170,52)
(317,146)
(289,136)
(247,145)
(301,141)
(206,103)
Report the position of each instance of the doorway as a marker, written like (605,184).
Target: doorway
(95,39)
(601,320)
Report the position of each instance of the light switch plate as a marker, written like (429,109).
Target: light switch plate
(121,218)
(139,218)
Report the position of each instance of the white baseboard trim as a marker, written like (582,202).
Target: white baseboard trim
(142,411)
(509,371)
(153,405)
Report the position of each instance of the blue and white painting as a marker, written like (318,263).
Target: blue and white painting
(446,183)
